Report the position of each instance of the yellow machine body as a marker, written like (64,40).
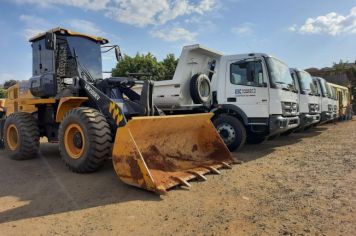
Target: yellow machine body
(154,152)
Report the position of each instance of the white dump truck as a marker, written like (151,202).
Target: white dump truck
(252,95)
(328,109)
(309,100)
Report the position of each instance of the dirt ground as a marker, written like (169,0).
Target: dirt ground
(304,184)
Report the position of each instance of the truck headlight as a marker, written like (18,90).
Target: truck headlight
(289,108)
(330,108)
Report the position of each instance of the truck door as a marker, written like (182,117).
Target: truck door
(246,86)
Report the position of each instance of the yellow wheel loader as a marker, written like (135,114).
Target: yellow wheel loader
(67,101)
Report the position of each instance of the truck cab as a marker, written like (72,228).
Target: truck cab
(328,111)
(334,102)
(252,96)
(308,98)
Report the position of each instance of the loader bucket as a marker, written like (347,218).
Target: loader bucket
(158,153)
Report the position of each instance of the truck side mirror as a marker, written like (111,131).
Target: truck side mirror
(118,53)
(50,41)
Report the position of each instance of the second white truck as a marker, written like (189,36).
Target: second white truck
(252,96)
(309,98)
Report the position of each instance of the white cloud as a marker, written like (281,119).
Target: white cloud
(331,23)
(85,26)
(136,12)
(34,25)
(243,30)
(174,34)
(84,4)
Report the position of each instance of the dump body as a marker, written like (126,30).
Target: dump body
(157,153)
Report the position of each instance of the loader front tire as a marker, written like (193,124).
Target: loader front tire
(231,130)
(21,136)
(84,140)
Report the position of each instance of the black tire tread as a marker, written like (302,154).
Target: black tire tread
(29,135)
(99,136)
(238,125)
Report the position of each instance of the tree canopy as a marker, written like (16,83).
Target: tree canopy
(9,83)
(148,66)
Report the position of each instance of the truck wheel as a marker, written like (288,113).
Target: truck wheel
(200,89)
(84,140)
(21,136)
(231,131)
(255,139)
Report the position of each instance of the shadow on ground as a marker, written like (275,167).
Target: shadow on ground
(44,186)
(255,151)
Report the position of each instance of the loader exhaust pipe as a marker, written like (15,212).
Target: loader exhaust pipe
(158,153)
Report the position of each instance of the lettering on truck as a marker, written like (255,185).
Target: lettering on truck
(245,92)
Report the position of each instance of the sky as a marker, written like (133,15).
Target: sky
(302,33)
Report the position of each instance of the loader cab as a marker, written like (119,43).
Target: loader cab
(54,65)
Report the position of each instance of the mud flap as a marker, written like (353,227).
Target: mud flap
(158,153)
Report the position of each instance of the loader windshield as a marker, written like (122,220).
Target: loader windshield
(88,53)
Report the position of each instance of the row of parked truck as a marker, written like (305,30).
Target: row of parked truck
(251,97)
(254,96)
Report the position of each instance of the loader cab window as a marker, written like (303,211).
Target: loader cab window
(248,73)
(88,53)
(42,58)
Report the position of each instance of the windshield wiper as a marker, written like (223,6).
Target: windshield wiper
(286,89)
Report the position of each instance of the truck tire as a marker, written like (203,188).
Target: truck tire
(21,136)
(200,89)
(84,140)
(255,139)
(231,131)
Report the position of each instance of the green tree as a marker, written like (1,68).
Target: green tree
(146,64)
(341,66)
(2,93)
(9,83)
(169,65)
(142,64)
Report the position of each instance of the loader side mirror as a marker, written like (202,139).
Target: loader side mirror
(118,53)
(50,41)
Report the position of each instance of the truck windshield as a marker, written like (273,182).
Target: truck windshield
(88,53)
(328,90)
(306,82)
(279,73)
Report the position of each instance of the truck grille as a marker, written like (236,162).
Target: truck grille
(313,108)
(289,108)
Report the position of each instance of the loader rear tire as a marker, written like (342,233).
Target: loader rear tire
(84,140)
(231,131)
(21,136)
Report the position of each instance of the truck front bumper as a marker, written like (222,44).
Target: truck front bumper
(308,119)
(327,116)
(280,124)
